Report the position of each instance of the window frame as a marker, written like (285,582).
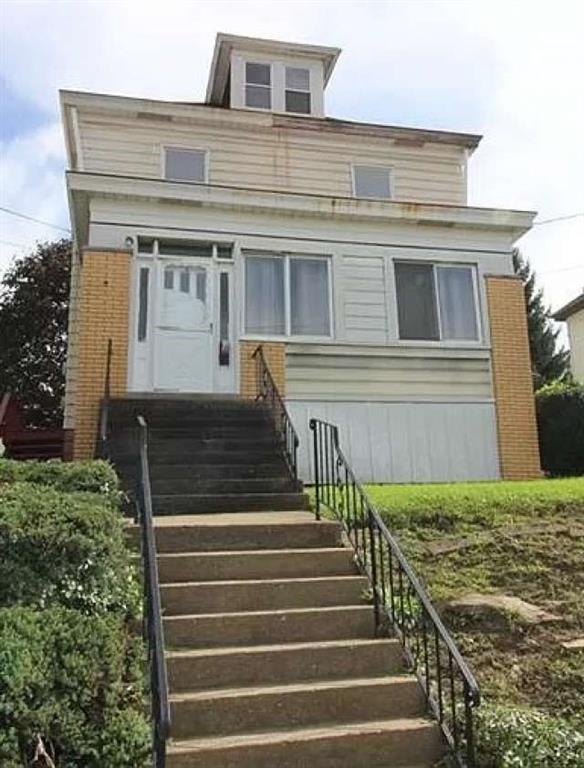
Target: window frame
(287,335)
(298,90)
(206,163)
(441,341)
(390,174)
(269,64)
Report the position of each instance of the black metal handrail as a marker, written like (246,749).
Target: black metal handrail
(102,448)
(153,627)
(400,601)
(268,393)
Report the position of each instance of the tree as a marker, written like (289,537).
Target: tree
(549,361)
(34,303)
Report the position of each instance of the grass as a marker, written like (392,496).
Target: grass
(524,539)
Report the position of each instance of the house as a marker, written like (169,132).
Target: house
(573,315)
(383,301)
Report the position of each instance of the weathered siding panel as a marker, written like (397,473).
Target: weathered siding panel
(362,283)
(405,442)
(252,153)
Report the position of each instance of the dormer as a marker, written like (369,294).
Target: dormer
(270,76)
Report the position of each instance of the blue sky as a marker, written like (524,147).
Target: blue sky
(510,71)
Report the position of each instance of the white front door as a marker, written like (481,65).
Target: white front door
(183,326)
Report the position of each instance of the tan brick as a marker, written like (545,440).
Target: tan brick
(512,380)
(104,313)
(275,355)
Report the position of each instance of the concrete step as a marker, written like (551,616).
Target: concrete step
(256,564)
(206,486)
(276,467)
(172,456)
(249,710)
(261,595)
(244,532)
(269,627)
(186,504)
(195,446)
(206,669)
(261,428)
(378,744)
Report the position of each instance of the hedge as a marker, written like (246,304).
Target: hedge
(77,682)
(560,417)
(65,548)
(94,476)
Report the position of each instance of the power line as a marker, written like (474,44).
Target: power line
(32,218)
(559,218)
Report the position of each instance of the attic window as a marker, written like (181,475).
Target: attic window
(185,164)
(371,181)
(258,85)
(298,90)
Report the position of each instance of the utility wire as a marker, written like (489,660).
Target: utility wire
(32,218)
(559,218)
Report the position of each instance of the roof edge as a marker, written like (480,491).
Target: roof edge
(569,309)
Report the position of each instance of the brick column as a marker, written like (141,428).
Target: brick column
(512,380)
(275,354)
(104,313)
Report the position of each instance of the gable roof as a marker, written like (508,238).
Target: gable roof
(569,309)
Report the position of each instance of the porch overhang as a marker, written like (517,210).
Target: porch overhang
(82,186)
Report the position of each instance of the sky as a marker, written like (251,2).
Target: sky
(512,71)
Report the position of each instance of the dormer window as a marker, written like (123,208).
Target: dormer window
(258,85)
(372,181)
(297,97)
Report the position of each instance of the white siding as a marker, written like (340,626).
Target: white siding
(362,283)
(405,442)
(576,334)
(249,152)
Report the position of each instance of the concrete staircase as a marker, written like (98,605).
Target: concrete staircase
(207,454)
(271,651)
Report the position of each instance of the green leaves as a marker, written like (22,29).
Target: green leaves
(560,418)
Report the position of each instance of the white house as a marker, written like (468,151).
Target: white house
(573,315)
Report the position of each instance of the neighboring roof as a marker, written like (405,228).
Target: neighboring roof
(225,43)
(180,109)
(569,309)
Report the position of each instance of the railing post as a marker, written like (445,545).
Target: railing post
(314,428)
(370,524)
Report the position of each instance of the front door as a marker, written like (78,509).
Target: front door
(183,328)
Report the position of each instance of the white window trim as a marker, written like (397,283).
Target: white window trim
(390,173)
(259,85)
(278,85)
(298,90)
(441,342)
(206,162)
(287,336)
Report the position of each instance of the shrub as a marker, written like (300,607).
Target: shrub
(523,738)
(76,681)
(64,548)
(93,476)
(560,417)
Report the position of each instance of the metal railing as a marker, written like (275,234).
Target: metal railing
(102,447)
(401,603)
(153,627)
(267,393)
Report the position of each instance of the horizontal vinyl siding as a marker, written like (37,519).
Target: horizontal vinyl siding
(257,155)
(363,298)
(378,375)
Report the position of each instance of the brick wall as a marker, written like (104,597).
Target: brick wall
(104,313)
(512,381)
(275,354)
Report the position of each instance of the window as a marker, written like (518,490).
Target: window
(258,85)
(297,96)
(371,181)
(287,296)
(184,164)
(436,302)
(143,303)
(224,319)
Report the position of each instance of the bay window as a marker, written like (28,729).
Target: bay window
(436,302)
(287,295)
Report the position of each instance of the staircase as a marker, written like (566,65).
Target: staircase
(269,636)
(271,651)
(206,454)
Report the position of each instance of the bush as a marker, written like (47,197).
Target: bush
(560,417)
(93,476)
(524,738)
(65,548)
(76,681)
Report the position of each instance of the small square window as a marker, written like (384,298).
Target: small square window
(258,85)
(297,96)
(258,74)
(297,79)
(372,181)
(169,278)
(184,164)
(296,101)
(258,96)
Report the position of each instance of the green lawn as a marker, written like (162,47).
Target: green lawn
(523,539)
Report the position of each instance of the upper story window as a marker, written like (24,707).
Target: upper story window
(372,181)
(185,164)
(436,302)
(287,295)
(258,85)
(297,96)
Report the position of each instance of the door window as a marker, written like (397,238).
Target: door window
(184,298)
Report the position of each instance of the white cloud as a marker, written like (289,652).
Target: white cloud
(511,71)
